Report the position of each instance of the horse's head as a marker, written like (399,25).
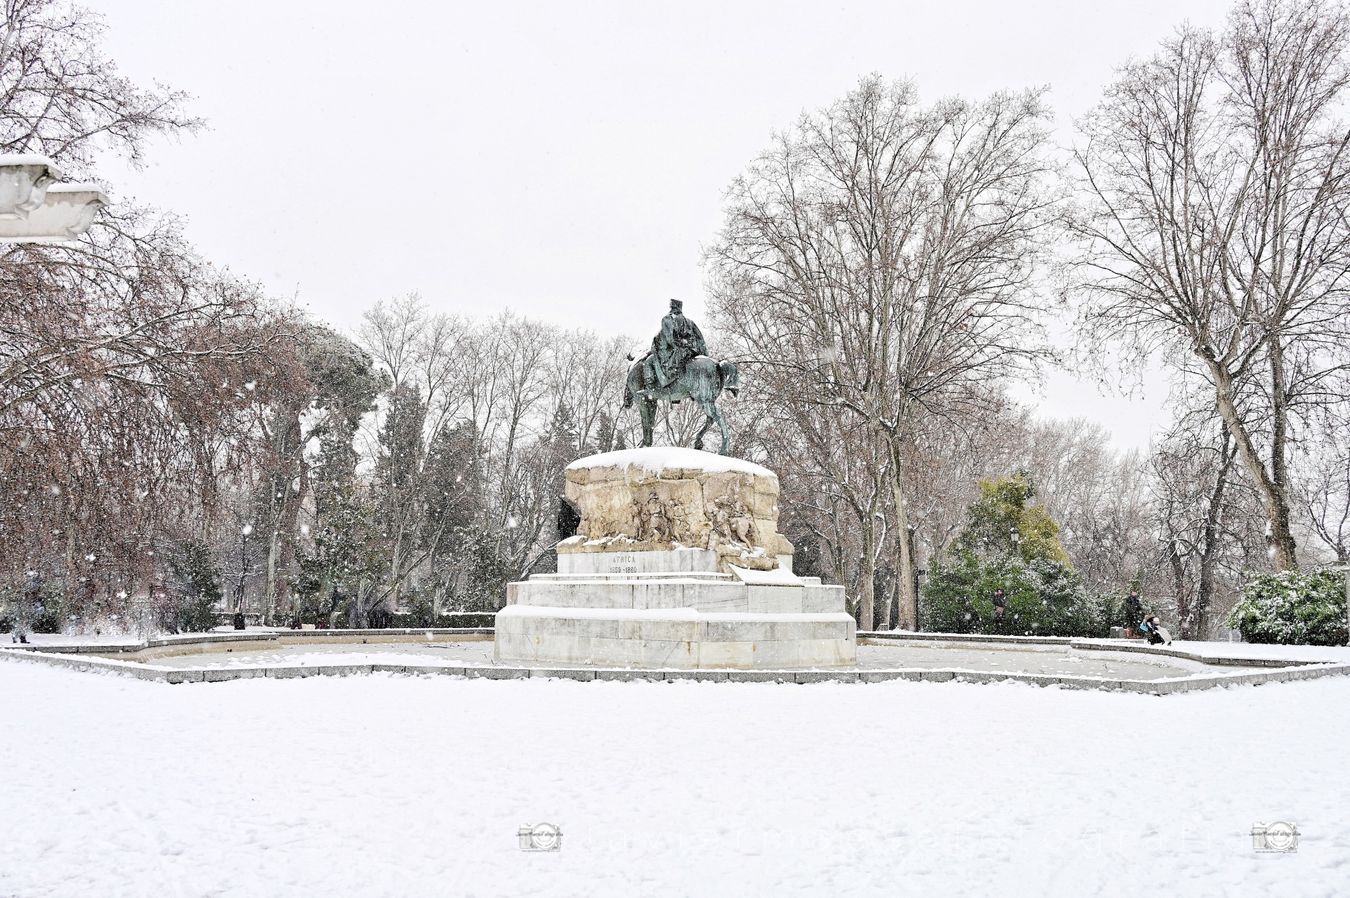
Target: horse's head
(731,377)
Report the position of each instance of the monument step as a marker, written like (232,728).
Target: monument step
(712,576)
(701,593)
(680,638)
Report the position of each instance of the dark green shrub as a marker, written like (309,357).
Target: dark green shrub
(194,590)
(1045,598)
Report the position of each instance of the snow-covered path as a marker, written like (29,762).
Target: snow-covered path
(408,786)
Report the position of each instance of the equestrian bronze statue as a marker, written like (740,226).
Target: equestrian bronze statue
(677,368)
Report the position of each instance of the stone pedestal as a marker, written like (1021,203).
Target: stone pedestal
(677,562)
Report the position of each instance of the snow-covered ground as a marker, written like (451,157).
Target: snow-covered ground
(1337,653)
(416,786)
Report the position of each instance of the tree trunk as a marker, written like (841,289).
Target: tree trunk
(1281,531)
(269,617)
(1273,493)
(886,602)
(907,616)
(1198,624)
(1184,602)
(867,578)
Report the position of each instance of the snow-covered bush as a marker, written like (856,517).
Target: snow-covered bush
(1293,608)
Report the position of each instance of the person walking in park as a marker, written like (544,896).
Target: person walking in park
(1134,613)
(27,605)
(1000,601)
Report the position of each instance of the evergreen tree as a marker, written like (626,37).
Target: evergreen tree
(194,590)
(1010,544)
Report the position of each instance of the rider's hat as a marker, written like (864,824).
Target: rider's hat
(676,305)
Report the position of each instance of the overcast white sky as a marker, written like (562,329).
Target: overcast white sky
(563,159)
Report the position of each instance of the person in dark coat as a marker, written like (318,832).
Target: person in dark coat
(1000,601)
(1134,613)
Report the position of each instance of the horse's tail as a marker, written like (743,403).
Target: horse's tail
(628,381)
(731,377)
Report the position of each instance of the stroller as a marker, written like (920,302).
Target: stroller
(1157,634)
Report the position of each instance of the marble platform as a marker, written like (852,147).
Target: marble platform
(631,591)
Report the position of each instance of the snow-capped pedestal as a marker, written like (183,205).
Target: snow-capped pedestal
(673,499)
(677,562)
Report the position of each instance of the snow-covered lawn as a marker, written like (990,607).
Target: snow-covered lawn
(1338,653)
(415,786)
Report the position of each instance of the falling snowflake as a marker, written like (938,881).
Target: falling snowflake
(250,385)
(304,530)
(247,529)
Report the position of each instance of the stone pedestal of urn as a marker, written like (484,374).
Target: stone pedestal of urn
(677,562)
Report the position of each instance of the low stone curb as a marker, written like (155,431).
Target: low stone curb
(1216,660)
(1078,642)
(156,642)
(907,635)
(222,674)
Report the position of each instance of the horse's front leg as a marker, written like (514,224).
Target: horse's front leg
(726,431)
(647,411)
(707,423)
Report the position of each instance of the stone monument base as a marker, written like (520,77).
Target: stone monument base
(677,564)
(682,620)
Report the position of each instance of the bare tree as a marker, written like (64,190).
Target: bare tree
(836,482)
(881,255)
(1323,484)
(1207,519)
(1213,223)
(61,97)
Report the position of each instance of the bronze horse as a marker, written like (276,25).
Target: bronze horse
(702,380)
